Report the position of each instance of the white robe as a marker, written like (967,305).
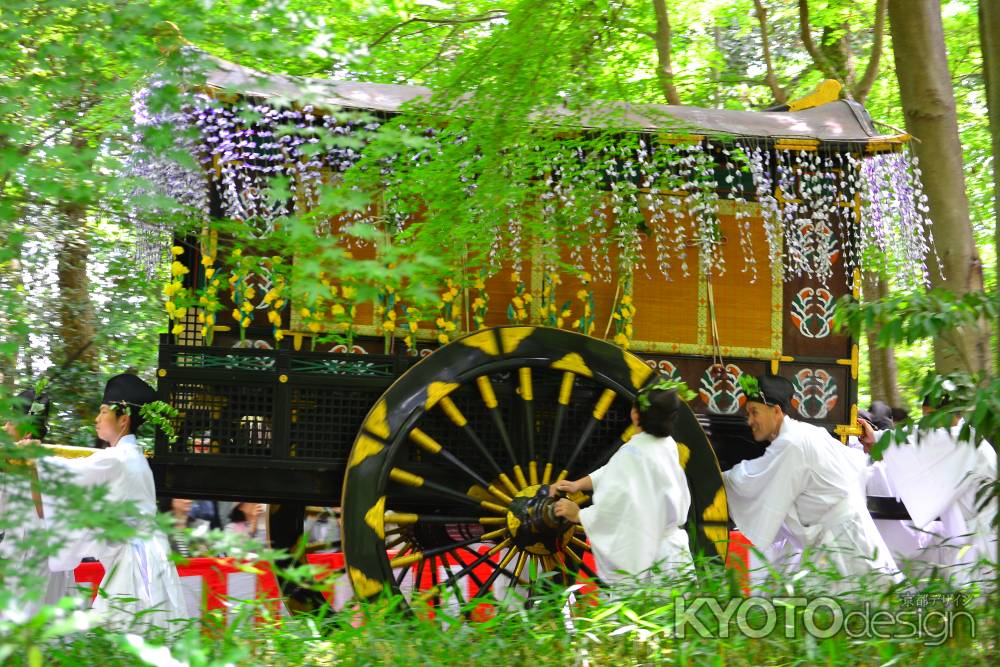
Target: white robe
(915,549)
(936,475)
(809,487)
(640,503)
(16,548)
(138,575)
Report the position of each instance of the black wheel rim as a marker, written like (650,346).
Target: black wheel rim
(442,480)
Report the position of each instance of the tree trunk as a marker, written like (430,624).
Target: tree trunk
(883,379)
(928,102)
(663,37)
(12,282)
(77,324)
(989,39)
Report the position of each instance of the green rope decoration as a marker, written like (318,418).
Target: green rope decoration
(683,391)
(157,413)
(160,415)
(751,388)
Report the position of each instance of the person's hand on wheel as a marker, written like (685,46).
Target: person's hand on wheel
(564,487)
(568,510)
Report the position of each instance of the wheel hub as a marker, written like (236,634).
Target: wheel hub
(533,524)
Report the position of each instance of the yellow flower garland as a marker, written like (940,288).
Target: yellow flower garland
(178,296)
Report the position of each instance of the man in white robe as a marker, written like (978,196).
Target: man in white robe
(913,549)
(806,485)
(938,477)
(138,575)
(640,500)
(23,522)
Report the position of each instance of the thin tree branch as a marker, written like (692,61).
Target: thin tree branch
(665,71)
(864,86)
(805,31)
(442,47)
(779,93)
(488,16)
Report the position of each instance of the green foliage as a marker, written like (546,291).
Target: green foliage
(161,415)
(973,398)
(556,627)
(908,318)
(683,392)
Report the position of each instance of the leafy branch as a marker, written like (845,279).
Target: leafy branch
(937,315)
(489,15)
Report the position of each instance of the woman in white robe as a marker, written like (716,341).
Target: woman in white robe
(806,483)
(640,500)
(138,575)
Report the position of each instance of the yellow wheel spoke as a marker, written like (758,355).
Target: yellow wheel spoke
(396,542)
(508,557)
(403,561)
(521,560)
(405,478)
(401,518)
(503,545)
(493,534)
(500,494)
(493,520)
(603,403)
(572,554)
(505,480)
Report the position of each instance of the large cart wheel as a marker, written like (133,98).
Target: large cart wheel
(442,489)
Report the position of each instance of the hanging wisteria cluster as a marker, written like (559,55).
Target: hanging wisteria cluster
(816,207)
(155,178)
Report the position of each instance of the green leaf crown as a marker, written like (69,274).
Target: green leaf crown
(751,388)
(681,387)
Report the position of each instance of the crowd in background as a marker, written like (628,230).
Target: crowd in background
(193,519)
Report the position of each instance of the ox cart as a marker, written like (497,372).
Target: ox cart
(434,432)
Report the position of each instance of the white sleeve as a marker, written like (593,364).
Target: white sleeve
(597,474)
(615,523)
(761,492)
(53,473)
(927,473)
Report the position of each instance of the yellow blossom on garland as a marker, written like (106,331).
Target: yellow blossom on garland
(413,317)
(387,304)
(342,310)
(516,311)
(623,314)
(550,314)
(178,297)
(449,314)
(480,304)
(586,322)
(241,292)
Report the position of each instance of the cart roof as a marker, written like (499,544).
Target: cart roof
(838,122)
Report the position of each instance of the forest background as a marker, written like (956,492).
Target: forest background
(75,304)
